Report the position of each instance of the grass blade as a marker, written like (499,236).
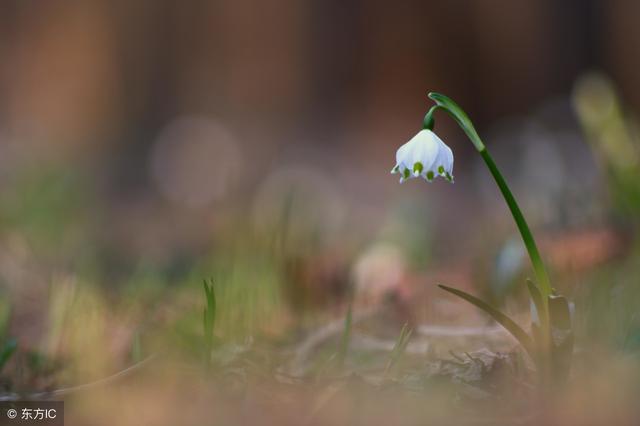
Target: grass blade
(209,318)
(399,348)
(502,319)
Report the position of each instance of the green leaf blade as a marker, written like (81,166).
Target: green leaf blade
(511,326)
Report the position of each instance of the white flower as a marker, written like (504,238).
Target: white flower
(424,155)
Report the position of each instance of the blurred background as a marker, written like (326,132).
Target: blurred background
(147,145)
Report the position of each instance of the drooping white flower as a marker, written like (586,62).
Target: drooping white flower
(424,155)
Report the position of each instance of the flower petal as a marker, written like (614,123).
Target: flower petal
(424,155)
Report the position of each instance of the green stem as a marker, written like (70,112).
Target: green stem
(448,105)
(541,293)
(544,286)
(525,232)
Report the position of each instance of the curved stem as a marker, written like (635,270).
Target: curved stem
(525,232)
(448,105)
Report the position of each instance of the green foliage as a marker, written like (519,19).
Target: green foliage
(398,349)
(209,318)
(553,346)
(512,327)
(50,207)
(6,351)
(10,344)
(247,284)
(613,135)
(608,307)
